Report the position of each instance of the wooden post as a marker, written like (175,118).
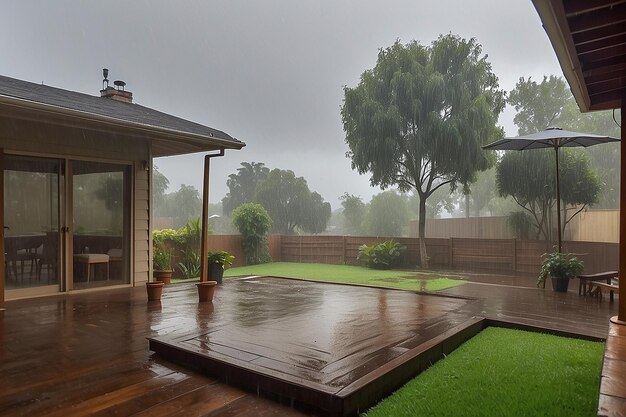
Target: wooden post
(204,238)
(2,259)
(515,255)
(621,315)
(343,251)
(450,253)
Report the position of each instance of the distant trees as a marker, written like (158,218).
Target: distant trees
(242,185)
(354,210)
(388,215)
(418,119)
(291,204)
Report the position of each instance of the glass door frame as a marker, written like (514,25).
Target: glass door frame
(65,207)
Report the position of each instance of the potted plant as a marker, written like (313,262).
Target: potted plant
(218,262)
(560,267)
(162,264)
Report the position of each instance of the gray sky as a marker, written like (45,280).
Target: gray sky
(269,73)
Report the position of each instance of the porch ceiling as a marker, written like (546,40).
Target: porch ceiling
(589,38)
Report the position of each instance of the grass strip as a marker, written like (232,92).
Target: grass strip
(503,372)
(348,274)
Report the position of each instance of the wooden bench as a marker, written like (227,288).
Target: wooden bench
(600,288)
(586,281)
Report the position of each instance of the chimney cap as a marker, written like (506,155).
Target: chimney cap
(119,83)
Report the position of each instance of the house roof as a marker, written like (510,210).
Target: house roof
(589,38)
(56,100)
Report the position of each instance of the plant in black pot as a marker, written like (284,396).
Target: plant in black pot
(218,262)
(560,267)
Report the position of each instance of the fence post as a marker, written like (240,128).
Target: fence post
(300,250)
(343,251)
(450,253)
(514,255)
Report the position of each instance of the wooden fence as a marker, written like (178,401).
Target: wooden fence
(508,255)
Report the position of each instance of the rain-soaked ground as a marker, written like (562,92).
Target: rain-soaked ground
(323,343)
(87,354)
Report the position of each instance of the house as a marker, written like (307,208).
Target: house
(76,181)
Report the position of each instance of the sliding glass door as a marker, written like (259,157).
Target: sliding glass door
(101,224)
(67,225)
(32,207)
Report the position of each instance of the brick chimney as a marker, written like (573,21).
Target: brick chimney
(118,93)
(115,94)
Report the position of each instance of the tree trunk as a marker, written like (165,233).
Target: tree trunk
(422,233)
(467,206)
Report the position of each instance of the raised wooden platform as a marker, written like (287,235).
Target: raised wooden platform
(339,348)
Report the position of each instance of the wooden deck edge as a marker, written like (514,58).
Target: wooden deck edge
(612,396)
(371,388)
(520,325)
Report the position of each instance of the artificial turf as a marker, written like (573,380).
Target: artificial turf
(347,274)
(503,372)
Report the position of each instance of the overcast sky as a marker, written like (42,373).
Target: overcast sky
(268,72)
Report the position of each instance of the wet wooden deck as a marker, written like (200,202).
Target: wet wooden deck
(88,354)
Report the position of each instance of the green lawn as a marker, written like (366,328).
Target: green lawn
(503,372)
(346,274)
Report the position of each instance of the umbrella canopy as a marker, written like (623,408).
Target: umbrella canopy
(554,138)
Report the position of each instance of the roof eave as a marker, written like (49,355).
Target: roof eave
(211,142)
(554,23)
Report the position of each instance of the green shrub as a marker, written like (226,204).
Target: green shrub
(521,224)
(253,224)
(559,265)
(380,256)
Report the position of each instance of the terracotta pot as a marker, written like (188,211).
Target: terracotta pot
(206,290)
(163,276)
(155,290)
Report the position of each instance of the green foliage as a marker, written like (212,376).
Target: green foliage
(161,236)
(191,234)
(221,257)
(550,103)
(354,213)
(159,186)
(191,266)
(505,373)
(529,177)
(559,265)
(253,224)
(539,106)
(162,259)
(418,119)
(242,185)
(182,205)
(388,215)
(521,223)
(381,255)
(291,204)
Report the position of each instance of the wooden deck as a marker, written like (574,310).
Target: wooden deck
(87,353)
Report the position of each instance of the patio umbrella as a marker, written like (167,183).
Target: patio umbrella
(554,138)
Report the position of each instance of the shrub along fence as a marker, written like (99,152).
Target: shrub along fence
(506,255)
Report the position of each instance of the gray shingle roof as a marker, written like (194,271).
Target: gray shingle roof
(99,106)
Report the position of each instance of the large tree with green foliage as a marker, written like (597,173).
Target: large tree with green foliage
(529,177)
(418,119)
(291,204)
(242,185)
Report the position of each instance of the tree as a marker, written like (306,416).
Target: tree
(418,119)
(291,204)
(539,106)
(242,185)
(354,210)
(550,103)
(253,223)
(184,204)
(159,186)
(529,177)
(388,215)
(483,190)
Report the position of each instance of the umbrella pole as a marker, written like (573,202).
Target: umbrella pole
(558,199)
